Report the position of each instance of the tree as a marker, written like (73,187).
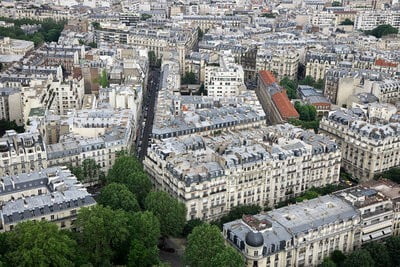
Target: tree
(189,78)
(104,79)
(308,80)
(306,112)
(338,257)
(310,194)
(170,212)
(190,225)
(96,25)
(9,125)
(104,234)
(290,87)
(204,244)
(35,243)
(152,58)
(200,34)
(228,257)
(52,35)
(359,257)
(320,84)
(117,196)
(50,30)
(145,16)
(391,174)
(328,263)
(127,170)
(382,30)
(393,248)
(92,44)
(88,172)
(379,254)
(140,255)
(336,3)
(268,15)
(143,249)
(347,22)
(37,39)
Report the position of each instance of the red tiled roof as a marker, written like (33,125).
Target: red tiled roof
(384,63)
(285,108)
(267,77)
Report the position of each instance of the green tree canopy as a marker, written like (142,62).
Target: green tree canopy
(393,248)
(360,257)
(104,79)
(328,263)
(200,34)
(127,170)
(96,25)
(228,257)
(290,86)
(347,22)
(189,78)
(88,172)
(145,16)
(9,125)
(190,225)
(140,255)
(382,30)
(117,196)
(306,112)
(143,249)
(204,244)
(338,257)
(391,174)
(336,3)
(170,212)
(35,243)
(104,234)
(49,31)
(379,254)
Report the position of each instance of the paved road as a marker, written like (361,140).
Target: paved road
(147,113)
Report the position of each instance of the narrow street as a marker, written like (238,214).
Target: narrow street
(146,120)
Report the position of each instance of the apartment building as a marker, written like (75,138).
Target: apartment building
(51,194)
(98,134)
(241,165)
(181,40)
(10,46)
(375,210)
(208,22)
(368,20)
(53,54)
(281,62)
(21,152)
(368,146)
(225,80)
(317,63)
(387,91)
(341,83)
(296,235)
(11,105)
(391,190)
(66,96)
